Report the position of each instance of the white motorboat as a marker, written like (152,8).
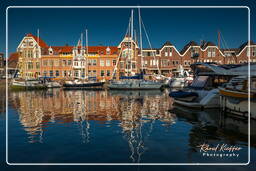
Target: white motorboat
(135,85)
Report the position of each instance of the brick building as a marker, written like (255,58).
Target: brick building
(37,59)
(2,65)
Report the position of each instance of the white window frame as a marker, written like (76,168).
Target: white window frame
(102,62)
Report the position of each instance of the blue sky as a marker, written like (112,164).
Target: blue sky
(108,26)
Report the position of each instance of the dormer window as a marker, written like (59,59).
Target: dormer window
(50,51)
(108,50)
(166,52)
(170,52)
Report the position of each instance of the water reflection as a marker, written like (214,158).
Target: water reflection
(213,126)
(135,113)
(132,109)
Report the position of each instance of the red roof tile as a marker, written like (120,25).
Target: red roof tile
(102,49)
(41,42)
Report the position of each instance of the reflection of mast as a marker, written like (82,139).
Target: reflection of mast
(83,119)
(134,132)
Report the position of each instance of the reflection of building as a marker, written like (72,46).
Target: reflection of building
(38,108)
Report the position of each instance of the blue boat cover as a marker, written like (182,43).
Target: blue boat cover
(182,94)
(138,76)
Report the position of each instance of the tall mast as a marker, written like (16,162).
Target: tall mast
(131,41)
(37,51)
(219,39)
(86,35)
(142,65)
(38,37)
(81,40)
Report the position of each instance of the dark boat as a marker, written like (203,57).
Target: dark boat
(183,95)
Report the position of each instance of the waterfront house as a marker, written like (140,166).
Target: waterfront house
(37,59)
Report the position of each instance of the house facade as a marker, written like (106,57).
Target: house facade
(37,59)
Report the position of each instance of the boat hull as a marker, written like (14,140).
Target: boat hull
(236,102)
(84,85)
(135,85)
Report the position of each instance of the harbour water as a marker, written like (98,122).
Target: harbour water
(58,126)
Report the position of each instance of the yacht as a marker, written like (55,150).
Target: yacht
(235,96)
(203,91)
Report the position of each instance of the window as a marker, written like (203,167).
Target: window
(213,52)
(107,62)
(121,64)
(102,62)
(51,73)
(94,73)
(89,73)
(56,62)
(76,73)
(108,51)
(45,62)
(94,62)
(114,62)
(189,63)
(64,62)
(30,65)
(64,73)
(37,65)
(194,52)
(166,52)
(37,54)
(57,73)
(69,62)
(134,65)
(209,53)
(164,62)
(254,51)
(102,73)
(51,62)
(108,73)
(153,62)
(170,51)
(45,73)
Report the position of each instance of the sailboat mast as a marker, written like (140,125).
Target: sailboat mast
(37,51)
(141,54)
(130,60)
(86,41)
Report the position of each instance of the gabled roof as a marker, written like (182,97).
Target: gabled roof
(41,42)
(185,48)
(235,50)
(206,44)
(244,45)
(167,43)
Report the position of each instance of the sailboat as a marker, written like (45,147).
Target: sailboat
(83,82)
(132,81)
